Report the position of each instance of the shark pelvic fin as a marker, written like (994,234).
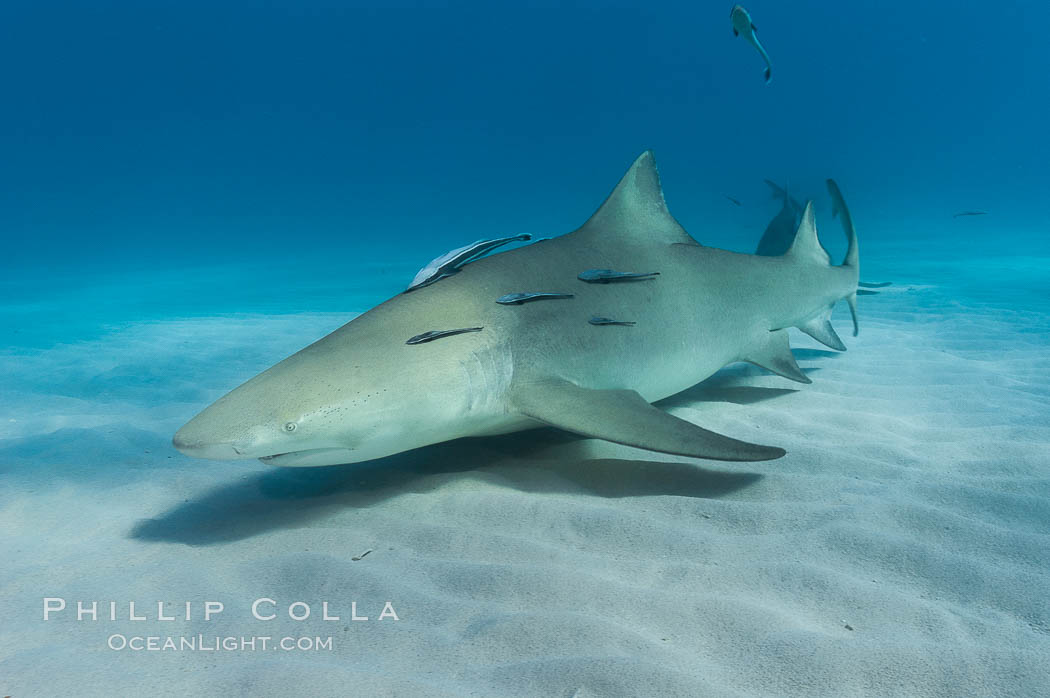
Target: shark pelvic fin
(636,210)
(774,354)
(820,329)
(624,417)
(806,246)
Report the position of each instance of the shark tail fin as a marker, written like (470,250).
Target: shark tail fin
(841,211)
(852,301)
(852,260)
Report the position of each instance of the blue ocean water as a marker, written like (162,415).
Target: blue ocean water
(191,191)
(177,133)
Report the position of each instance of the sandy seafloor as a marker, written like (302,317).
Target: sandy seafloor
(913,507)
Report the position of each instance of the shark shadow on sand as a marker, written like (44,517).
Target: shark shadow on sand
(541,461)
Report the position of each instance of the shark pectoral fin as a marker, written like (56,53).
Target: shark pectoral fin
(624,417)
(736,33)
(820,329)
(774,354)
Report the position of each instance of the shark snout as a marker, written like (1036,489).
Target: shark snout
(193,445)
(209,435)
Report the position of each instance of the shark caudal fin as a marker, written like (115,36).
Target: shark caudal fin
(852,260)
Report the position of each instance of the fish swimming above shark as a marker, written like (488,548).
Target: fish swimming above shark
(362,392)
(743,26)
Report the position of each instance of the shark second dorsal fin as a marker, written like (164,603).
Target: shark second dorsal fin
(807,246)
(624,417)
(636,210)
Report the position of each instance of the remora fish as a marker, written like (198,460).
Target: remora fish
(970,213)
(431,335)
(522,298)
(451,262)
(611,276)
(609,321)
(743,26)
(362,393)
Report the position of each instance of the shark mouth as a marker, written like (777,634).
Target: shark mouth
(311,457)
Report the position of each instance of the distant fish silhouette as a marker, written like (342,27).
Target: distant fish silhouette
(732,199)
(605,276)
(743,26)
(780,233)
(970,213)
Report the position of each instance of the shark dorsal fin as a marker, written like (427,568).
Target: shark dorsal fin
(807,246)
(636,210)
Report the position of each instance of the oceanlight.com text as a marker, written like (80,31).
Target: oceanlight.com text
(217,643)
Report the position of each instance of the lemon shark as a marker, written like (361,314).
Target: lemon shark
(448,361)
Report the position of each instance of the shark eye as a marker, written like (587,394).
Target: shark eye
(289,427)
